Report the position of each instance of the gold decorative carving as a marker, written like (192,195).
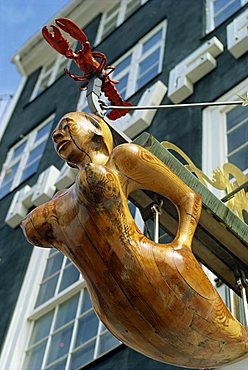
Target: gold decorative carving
(222,179)
(245,99)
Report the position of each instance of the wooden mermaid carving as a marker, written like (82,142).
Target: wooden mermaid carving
(153,297)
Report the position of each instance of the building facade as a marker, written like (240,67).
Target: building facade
(165,52)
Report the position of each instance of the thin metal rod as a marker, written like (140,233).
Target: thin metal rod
(186,105)
(156,209)
(244,298)
(235,191)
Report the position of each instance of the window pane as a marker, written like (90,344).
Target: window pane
(47,290)
(237,137)
(110,25)
(147,75)
(86,304)
(5,189)
(123,64)
(54,264)
(36,152)
(240,159)
(8,180)
(35,357)
(235,116)
(41,327)
(113,10)
(66,312)
(227,12)
(43,84)
(107,342)
(131,7)
(60,344)
(30,170)
(70,276)
(219,4)
(10,173)
(87,328)
(152,41)
(82,356)
(18,150)
(58,366)
(43,131)
(53,251)
(149,62)
(122,85)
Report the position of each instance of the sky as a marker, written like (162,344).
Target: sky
(19,21)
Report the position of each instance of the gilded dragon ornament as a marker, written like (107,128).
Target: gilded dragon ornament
(227,179)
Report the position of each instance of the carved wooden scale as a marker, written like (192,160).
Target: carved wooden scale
(153,297)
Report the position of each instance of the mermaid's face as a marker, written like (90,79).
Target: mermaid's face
(74,138)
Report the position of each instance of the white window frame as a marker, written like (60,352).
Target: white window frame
(214,138)
(31,144)
(121,17)
(54,71)
(210,26)
(136,58)
(16,342)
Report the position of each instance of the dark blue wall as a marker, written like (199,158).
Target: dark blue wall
(123,358)
(185,33)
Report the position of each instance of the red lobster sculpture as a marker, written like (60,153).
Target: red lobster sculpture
(86,61)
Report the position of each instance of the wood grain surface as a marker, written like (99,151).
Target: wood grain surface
(155,298)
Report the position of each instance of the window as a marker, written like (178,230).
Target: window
(66,333)
(50,73)
(237,137)
(220,10)
(225,134)
(23,158)
(139,66)
(58,275)
(116,15)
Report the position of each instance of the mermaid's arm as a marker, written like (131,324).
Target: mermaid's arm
(145,171)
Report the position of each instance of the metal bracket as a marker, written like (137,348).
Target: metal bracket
(93,96)
(96,107)
(242,282)
(156,210)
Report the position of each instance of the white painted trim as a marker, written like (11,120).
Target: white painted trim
(214,144)
(11,107)
(237,35)
(121,16)
(210,26)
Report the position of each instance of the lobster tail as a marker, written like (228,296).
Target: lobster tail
(115,114)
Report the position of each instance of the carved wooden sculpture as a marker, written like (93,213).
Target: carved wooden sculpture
(153,297)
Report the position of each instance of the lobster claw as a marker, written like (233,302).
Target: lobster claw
(72,29)
(55,39)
